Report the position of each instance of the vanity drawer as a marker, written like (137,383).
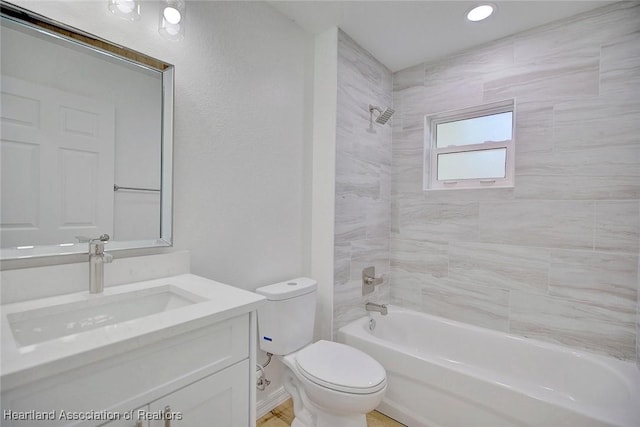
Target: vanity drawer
(131,379)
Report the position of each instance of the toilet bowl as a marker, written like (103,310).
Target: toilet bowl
(331,384)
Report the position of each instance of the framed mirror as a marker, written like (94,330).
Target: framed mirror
(86,138)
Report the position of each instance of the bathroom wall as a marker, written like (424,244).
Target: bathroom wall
(363,180)
(243,88)
(242,128)
(556,257)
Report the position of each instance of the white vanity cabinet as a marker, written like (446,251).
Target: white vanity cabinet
(197,362)
(221,399)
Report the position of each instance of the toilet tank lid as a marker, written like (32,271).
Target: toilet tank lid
(288,289)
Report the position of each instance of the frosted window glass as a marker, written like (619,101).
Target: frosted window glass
(472,164)
(496,127)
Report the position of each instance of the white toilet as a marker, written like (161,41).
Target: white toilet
(331,384)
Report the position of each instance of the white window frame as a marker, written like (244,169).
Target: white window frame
(432,151)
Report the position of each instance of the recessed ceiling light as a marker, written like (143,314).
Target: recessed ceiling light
(480,12)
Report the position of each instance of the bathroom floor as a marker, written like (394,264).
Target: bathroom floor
(282,416)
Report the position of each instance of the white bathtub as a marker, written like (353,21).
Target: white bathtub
(443,373)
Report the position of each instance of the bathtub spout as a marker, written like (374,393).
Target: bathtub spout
(380,308)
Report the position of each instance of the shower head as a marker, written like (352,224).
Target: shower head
(384,116)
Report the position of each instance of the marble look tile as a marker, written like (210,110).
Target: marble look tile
(422,257)
(403,293)
(412,76)
(594,277)
(407,172)
(341,263)
(564,42)
(605,330)
(546,82)
(470,195)
(378,217)
(354,139)
(369,252)
(617,226)
(437,222)
(607,23)
(356,177)
(458,81)
(349,302)
(412,139)
(534,127)
(597,162)
(412,107)
(385,182)
(362,64)
(601,122)
(620,65)
(576,187)
(493,59)
(469,303)
(500,266)
(462,77)
(587,174)
(544,223)
(350,218)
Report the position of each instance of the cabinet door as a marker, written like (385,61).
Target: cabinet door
(219,400)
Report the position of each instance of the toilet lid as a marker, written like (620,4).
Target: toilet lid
(340,367)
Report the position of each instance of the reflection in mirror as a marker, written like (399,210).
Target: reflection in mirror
(86,136)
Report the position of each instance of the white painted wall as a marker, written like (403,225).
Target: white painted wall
(241,130)
(242,134)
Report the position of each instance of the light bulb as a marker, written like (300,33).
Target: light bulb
(172,15)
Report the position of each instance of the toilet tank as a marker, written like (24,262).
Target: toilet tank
(286,321)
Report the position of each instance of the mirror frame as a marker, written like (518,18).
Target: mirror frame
(98,45)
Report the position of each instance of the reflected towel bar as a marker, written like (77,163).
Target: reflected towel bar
(117,187)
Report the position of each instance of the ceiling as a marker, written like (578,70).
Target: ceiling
(405,33)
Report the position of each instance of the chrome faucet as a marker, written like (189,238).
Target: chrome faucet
(97,259)
(380,308)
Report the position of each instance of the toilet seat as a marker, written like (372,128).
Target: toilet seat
(341,368)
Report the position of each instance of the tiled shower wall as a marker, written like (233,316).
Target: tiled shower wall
(363,180)
(556,257)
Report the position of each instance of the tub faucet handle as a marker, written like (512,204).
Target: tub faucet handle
(369,280)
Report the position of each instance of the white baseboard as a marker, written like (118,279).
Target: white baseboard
(273,400)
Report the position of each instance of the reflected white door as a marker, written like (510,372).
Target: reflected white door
(57,156)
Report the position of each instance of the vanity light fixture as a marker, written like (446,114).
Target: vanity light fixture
(480,12)
(172,13)
(125,9)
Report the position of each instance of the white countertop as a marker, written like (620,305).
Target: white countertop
(22,364)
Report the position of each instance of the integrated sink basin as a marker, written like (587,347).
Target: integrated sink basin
(58,321)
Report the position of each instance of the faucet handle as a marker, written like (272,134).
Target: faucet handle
(84,239)
(103,238)
(96,246)
(370,281)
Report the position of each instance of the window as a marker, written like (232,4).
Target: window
(471,148)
